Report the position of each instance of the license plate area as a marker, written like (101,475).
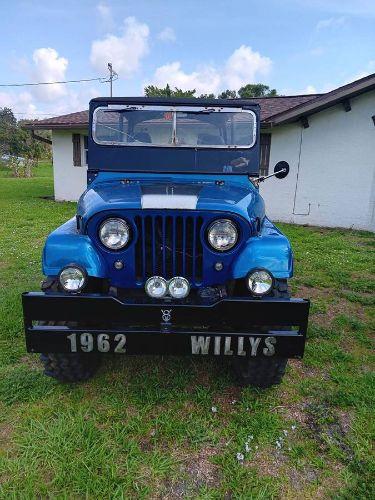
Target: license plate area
(65,340)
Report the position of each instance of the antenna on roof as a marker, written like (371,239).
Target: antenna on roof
(112,76)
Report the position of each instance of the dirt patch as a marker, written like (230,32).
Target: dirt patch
(345,420)
(329,428)
(197,470)
(336,305)
(6,434)
(304,371)
(268,462)
(302,482)
(31,361)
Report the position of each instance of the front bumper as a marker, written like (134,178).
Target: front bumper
(227,327)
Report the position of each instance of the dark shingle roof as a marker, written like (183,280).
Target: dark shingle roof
(72,120)
(269,106)
(273,110)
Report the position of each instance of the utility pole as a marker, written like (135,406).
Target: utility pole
(112,76)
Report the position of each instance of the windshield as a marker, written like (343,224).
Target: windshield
(162,126)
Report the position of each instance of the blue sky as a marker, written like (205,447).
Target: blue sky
(296,46)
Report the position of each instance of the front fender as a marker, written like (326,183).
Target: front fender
(66,246)
(270,250)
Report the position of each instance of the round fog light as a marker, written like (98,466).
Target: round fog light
(72,279)
(259,282)
(156,287)
(178,288)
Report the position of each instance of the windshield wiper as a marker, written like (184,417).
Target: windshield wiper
(121,132)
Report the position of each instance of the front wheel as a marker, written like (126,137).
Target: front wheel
(259,372)
(70,367)
(67,367)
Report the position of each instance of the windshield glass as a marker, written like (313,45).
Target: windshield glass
(174,127)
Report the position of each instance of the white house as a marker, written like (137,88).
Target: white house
(327,139)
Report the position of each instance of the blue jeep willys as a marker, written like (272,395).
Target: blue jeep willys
(170,251)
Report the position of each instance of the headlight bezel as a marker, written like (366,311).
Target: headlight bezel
(260,270)
(84,275)
(185,281)
(122,221)
(163,281)
(234,226)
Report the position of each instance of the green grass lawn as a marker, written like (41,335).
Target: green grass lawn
(144,427)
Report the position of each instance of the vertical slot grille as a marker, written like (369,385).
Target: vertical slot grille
(169,246)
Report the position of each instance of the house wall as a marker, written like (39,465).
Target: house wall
(332,168)
(69,181)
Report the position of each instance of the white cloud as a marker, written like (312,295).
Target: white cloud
(167,35)
(49,67)
(310,89)
(243,66)
(21,104)
(105,16)
(332,22)
(205,79)
(125,51)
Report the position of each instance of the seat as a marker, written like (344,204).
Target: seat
(143,137)
(210,140)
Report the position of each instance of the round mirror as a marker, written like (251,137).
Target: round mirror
(281,169)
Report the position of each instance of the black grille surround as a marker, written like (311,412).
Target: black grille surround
(169,245)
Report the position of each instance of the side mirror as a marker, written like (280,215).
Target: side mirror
(281,169)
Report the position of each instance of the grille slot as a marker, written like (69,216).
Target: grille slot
(169,245)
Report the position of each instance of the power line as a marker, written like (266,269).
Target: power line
(33,114)
(101,80)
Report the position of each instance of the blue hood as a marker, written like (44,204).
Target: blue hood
(235,194)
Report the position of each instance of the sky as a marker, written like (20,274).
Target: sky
(295,46)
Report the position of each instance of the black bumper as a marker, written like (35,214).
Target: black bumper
(228,327)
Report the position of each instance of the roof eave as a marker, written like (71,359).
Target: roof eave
(321,103)
(54,126)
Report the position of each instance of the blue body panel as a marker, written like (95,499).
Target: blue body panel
(121,178)
(169,159)
(65,246)
(110,194)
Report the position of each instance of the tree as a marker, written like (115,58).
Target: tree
(19,149)
(256,90)
(207,96)
(7,117)
(228,94)
(153,91)
(8,124)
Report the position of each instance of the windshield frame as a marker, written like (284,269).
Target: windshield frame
(174,110)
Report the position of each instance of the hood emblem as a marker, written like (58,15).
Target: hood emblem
(166,315)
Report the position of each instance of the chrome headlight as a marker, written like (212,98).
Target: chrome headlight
(178,287)
(259,282)
(114,233)
(222,235)
(156,287)
(72,278)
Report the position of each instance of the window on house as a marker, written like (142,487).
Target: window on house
(85,149)
(265,148)
(77,161)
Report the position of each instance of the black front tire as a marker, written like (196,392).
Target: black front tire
(67,367)
(70,367)
(259,372)
(263,372)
